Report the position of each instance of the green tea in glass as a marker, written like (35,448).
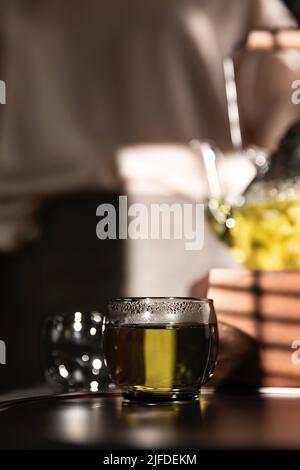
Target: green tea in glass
(161,348)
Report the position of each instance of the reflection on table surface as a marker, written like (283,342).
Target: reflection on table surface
(216,421)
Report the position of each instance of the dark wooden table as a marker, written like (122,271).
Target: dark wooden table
(216,421)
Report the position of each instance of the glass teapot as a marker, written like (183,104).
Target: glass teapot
(262,222)
(262,226)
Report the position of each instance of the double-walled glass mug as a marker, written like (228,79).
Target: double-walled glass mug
(161,348)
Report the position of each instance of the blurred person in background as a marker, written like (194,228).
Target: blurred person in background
(102,98)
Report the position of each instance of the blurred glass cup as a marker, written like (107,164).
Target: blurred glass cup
(72,353)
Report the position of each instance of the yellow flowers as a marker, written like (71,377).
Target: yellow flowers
(266,236)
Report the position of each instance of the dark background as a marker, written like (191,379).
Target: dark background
(294,6)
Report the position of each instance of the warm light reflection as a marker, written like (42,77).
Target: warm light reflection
(94,386)
(77,316)
(280,391)
(63,371)
(97,363)
(96,317)
(230,222)
(74,423)
(77,326)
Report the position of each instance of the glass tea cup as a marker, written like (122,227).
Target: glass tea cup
(73,352)
(161,348)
